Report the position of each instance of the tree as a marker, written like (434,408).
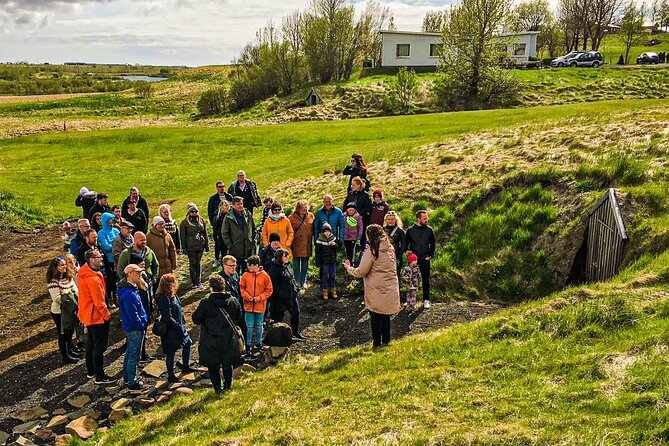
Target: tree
(434,21)
(213,102)
(531,15)
(471,56)
(401,92)
(631,27)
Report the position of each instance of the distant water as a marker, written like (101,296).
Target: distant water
(143,78)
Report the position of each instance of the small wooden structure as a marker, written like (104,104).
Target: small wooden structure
(607,239)
(313,98)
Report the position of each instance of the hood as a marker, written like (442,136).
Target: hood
(156,232)
(219,298)
(384,246)
(85,272)
(123,283)
(104,219)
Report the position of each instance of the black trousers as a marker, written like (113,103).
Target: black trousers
(215,377)
(194,267)
(64,340)
(98,337)
(349,245)
(424,267)
(380,328)
(277,316)
(398,266)
(220,250)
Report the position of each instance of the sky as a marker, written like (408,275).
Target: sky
(153,32)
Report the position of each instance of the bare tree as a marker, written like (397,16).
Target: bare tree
(601,15)
(631,27)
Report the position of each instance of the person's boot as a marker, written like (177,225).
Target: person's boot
(334,293)
(325,294)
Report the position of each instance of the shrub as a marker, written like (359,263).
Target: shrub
(143,90)
(401,92)
(213,102)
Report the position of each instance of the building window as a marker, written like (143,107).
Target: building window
(519,49)
(435,49)
(403,50)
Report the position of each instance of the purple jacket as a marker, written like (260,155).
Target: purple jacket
(352,232)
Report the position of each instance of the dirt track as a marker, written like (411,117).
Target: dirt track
(30,370)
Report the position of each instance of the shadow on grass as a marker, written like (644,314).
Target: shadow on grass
(340,361)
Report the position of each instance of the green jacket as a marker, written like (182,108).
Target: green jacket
(240,240)
(150,263)
(193,236)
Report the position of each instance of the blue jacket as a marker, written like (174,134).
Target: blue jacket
(133,316)
(107,234)
(336,220)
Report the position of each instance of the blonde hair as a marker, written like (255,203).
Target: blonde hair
(359,181)
(224,203)
(166,207)
(392,214)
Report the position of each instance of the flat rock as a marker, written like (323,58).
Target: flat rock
(155,368)
(103,429)
(30,414)
(96,415)
(176,386)
(112,389)
(79,401)
(24,428)
(23,441)
(162,399)
(204,383)
(244,368)
(144,403)
(4,436)
(89,387)
(186,390)
(63,440)
(83,427)
(57,421)
(45,434)
(119,414)
(86,411)
(188,376)
(106,399)
(160,384)
(59,412)
(120,403)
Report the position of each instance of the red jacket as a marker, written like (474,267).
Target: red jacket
(92,307)
(257,285)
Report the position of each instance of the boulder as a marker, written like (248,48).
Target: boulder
(119,414)
(278,335)
(45,434)
(155,368)
(63,440)
(30,414)
(57,421)
(79,401)
(25,428)
(23,441)
(83,427)
(120,403)
(186,390)
(278,352)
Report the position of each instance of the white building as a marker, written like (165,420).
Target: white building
(417,49)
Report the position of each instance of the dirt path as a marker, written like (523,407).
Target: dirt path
(43,97)
(30,370)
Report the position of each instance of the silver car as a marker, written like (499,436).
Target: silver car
(561,61)
(588,59)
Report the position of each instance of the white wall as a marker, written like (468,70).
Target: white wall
(419,55)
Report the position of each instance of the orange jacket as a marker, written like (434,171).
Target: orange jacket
(281,227)
(92,307)
(255,285)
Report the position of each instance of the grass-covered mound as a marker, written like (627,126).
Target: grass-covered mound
(585,366)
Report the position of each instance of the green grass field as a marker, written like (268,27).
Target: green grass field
(182,164)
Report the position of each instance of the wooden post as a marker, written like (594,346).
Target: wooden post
(64,126)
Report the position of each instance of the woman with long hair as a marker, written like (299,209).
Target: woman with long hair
(171,227)
(392,224)
(194,242)
(357,168)
(219,246)
(378,269)
(96,222)
(63,292)
(176,337)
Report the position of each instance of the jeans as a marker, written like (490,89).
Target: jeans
(185,355)
(300,267)
(133,350)
(253,325)
(328,276)
(194,259)
(424,267)
(215,377)
(98,336)
(277,316)
(64,340)
(380,328)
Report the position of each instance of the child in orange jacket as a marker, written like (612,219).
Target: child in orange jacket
(256,287)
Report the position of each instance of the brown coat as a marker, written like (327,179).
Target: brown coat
(162,245)
(304,234)
(382,293)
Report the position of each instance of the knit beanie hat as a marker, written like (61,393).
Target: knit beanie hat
(274,237)
(158,220)
(411,257)
(378,192)
(326,227)
(83,190)
(192,208)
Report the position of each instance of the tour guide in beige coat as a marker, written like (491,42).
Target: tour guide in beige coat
(382,297)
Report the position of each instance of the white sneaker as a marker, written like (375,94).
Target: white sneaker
(216,264)
(426,304)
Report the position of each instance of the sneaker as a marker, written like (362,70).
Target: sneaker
(216,264)
(426,304)
(299,337)
(136,387)
(90,375)
(104,380)
(70,360)
(173,379)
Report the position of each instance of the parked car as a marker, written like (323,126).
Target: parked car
(588,59)
(647,57)
(561,61)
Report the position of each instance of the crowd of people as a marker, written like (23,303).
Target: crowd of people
(120,256)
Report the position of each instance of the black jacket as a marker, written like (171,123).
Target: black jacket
(420,240)
(326,254)
(217,341)
(212,206)
(284,288)
(171,313)
(98,208)
(138,220)
(86,203)
(266,257)
(249,194)
(397,236)
(362,202)
(141,204)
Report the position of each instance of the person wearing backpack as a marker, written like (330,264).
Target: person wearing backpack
(218,347)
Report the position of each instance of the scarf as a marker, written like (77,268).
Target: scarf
(277,217)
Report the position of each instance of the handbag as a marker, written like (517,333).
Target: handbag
(159,327)
(241,345)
